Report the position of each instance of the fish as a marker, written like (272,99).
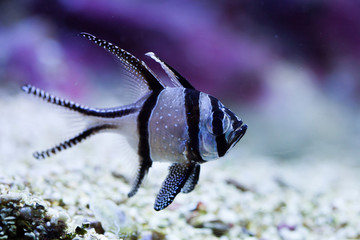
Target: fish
(171,122)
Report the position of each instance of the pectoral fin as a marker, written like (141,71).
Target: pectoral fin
(174,182)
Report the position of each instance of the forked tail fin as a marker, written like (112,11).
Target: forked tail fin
(88,111)
(73,141)
(95,124)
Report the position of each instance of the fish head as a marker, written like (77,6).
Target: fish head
(222,130)
(234,132)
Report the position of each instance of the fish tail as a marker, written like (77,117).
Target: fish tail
(37,92)
(73,141)
(94,112)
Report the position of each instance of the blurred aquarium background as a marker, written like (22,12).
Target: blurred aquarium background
(290,69)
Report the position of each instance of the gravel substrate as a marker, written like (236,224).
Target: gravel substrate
(242,196)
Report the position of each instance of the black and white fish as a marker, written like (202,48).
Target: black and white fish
(176,124)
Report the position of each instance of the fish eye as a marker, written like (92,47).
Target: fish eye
(218,123)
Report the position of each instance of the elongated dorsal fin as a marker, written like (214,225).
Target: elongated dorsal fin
(137,69)
(175,77)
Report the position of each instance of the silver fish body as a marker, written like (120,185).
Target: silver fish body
(176,124)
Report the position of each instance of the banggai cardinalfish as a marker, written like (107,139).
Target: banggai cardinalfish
(176,123)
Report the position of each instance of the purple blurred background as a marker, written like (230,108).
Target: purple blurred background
(291,69)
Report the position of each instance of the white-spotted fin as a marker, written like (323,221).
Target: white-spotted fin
(177,124)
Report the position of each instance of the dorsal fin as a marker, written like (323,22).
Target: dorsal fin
(175,77)
(134,67)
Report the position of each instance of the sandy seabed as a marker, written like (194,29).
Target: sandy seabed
(242,196)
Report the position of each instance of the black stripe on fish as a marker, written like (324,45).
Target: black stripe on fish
(73,141)
(193,120)
(133,65)
(144,144)
(217,124)
(94,112)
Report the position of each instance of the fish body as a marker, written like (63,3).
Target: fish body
(176,124)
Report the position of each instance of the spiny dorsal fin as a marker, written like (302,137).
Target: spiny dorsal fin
(136,68)
(174,76)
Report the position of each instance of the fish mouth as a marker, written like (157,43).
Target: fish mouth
(237,134)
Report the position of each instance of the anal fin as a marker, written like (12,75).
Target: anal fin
(143,169)
(174,182)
